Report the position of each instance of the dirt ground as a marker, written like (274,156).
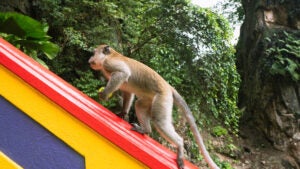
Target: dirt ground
(255,152)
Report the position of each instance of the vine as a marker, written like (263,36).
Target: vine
(284,54)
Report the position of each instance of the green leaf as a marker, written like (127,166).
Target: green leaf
(22,26)
(48,48)
(27,34)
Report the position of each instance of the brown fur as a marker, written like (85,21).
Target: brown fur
(155,97)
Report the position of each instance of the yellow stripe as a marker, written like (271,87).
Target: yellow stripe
(7,163)
(98,151)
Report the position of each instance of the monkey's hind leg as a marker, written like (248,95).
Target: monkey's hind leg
(162,120)
(142,109)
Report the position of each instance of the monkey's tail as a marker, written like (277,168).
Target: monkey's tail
(182,105)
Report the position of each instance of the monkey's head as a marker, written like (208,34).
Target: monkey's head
(100,54)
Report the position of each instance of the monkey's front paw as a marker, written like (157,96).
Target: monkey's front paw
(102,96)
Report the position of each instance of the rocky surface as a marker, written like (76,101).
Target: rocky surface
(271,102)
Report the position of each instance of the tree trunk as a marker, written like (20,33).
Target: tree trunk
(268,94)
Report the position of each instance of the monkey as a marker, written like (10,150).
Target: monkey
(155,98)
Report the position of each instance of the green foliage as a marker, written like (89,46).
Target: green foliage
(231,148)
(225,165)
(222,164)
(86,83)
(27,34)
(219,131)
(233,10)
(284,53)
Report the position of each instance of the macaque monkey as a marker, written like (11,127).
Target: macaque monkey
(155,98)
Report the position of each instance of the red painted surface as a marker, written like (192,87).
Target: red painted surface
(87,110)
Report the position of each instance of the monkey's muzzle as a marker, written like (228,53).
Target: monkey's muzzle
(91,62)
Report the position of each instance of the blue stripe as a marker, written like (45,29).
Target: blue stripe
(32,146)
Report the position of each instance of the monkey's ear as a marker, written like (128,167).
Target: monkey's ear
(106,50)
